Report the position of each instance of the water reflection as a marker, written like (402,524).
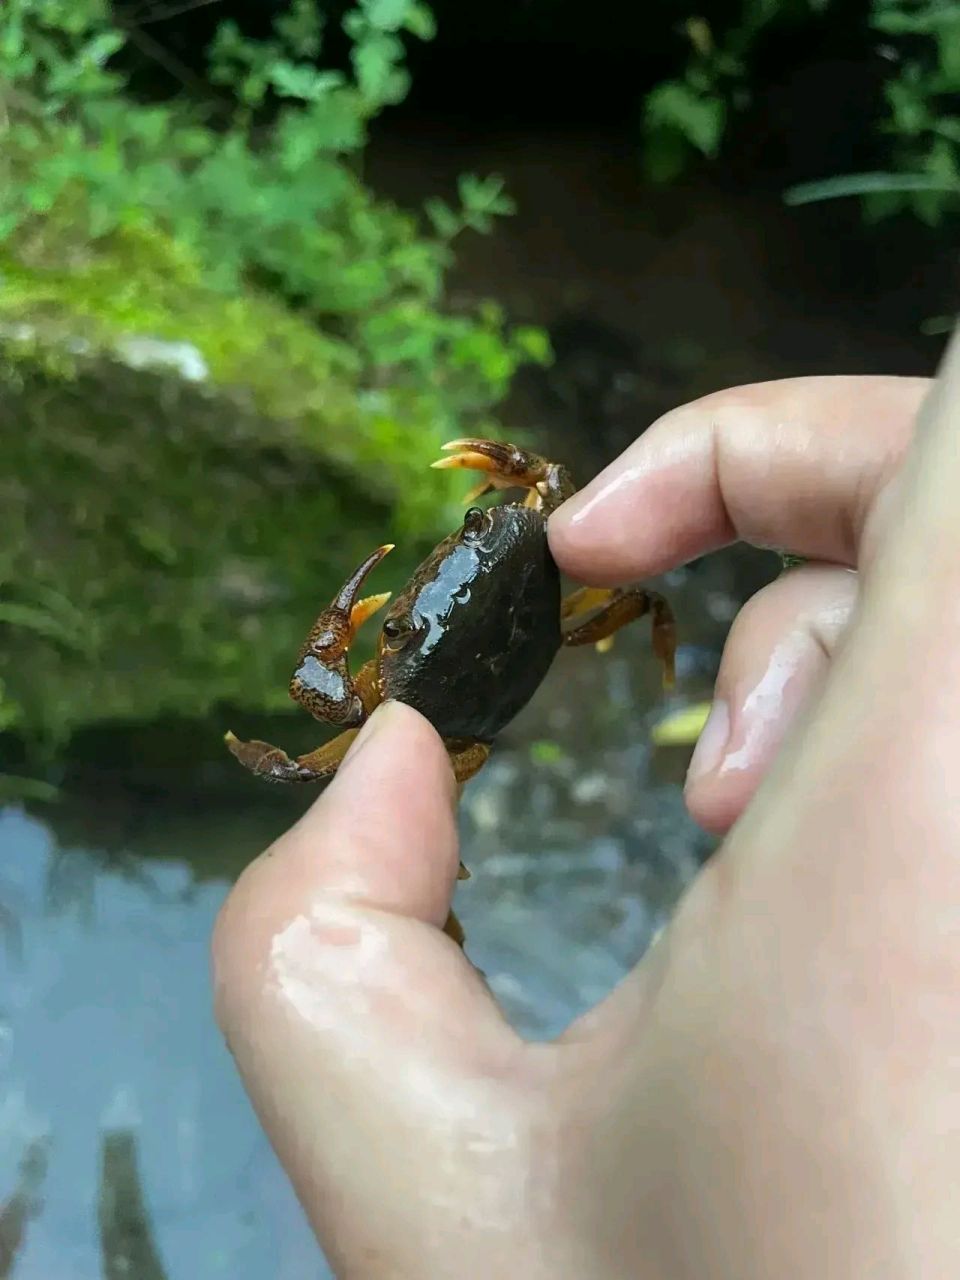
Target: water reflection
(23,1205)
(107,1047)
(126,1236)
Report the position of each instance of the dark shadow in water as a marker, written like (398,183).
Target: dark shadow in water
(126,1237)
(23,1206)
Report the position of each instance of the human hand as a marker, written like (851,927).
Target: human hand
(797,465)
(774,1089)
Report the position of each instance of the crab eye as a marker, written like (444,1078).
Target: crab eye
(474,521)
(393,629)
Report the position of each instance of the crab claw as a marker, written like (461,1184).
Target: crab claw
(333,632)
(346,598)
(506,466)
(366,608)
(322,682)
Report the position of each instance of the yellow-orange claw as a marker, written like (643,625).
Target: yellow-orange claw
(478,491)
(499,460)
(365,609)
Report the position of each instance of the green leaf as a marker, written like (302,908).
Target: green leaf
(336,124)
(26,616)
(697,117)
(374,61)
(102,47)
(533,343)
(14,788)
(420,21)
(293,80)
(301,29)
(546,752)
(482,196)
(908,107)
(860,184)
(934,326)
(386,15)
(446,222)
(665,155)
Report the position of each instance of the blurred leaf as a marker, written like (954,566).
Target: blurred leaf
(420,21)
(13,788)
(697,117)
(937,325)
(546,752)
(293,81)
(681,728)
(38,620)
(387,15)
(301,28)
(857,184)
(445,221)
(534,343)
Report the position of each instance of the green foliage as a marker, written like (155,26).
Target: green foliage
(243,227)
(272,196)
(922,122)
(688,115)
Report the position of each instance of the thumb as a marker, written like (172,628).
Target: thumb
(349,1012)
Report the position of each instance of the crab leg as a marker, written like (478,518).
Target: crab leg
(616,607)
(454,929)
(274,765)
(466,758)
(509,467)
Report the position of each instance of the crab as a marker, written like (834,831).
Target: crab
(472,635)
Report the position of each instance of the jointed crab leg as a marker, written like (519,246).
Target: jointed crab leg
(466,758)
(616,607)
(274,765)
(509,467)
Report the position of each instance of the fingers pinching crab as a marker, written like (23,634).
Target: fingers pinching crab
(472,635)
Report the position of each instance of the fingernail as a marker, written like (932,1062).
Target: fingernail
(711,744)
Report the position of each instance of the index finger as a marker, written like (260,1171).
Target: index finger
(793,464)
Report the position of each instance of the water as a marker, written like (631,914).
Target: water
(127,1146)
(105,1031)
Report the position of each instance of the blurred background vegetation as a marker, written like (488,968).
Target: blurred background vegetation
(226,356)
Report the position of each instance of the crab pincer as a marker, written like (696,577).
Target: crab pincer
(507,466)
(322,684)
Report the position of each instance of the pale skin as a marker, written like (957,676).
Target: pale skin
(775,1090)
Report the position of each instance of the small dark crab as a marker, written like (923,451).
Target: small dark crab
(471,636)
